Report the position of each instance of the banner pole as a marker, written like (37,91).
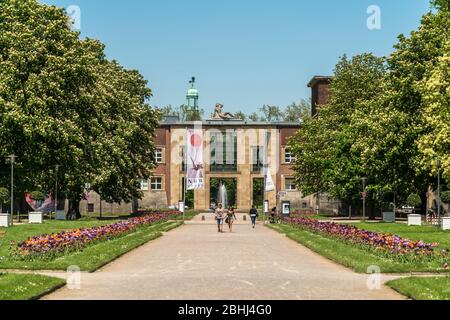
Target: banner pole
(185,173)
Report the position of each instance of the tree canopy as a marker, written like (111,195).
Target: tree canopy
(63,103)
(387,120)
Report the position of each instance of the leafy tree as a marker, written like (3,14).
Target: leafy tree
(254,117)
(271,113)
(328,157)
(168,111)
(414,67)
(435,142)
(62,103)
(445,197)
(414,200)
(4,197)
(46,79)
(297,112)
(186,114)
(240,115)
(128,153)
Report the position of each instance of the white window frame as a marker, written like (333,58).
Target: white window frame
(144,185)
(288,156)
(159,158)
(290,185)
(156,186)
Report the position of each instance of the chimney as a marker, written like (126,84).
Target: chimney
(320,87)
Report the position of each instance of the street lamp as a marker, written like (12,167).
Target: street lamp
(56,189)
(439,165)
(364,180)
(12,159)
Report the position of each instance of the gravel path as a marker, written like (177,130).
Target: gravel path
(196,262)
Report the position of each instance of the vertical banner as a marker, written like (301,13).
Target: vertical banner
(270,185)
(194,158)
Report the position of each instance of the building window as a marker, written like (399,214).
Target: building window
(91,208)
(223,151)
(288,156)
(144,185)
(183,158)
(159,155)
(156,184)
(290,185)
(258,159)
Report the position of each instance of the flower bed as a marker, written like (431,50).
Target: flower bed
(387,244)
(52,245)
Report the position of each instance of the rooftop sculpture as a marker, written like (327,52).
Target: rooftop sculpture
(220,115)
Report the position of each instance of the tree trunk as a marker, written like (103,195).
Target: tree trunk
(74,208)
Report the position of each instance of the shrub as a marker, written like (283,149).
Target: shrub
(37,196)
(4,197)
(414,200)
(445,197)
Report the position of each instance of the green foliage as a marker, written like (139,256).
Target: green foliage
(63,103)
(254,117)
(327,150)
(15,287)
(271,113)
(187,114)
(388,121)
(445,197)
(37,195)
(297,112)
(240,115)
(414,200)
(423,288)
(168,111)
(4,195)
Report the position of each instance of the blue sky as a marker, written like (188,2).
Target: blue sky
(244,53)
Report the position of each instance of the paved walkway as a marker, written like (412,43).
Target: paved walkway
(196,262)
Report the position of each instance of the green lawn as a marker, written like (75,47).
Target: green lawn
(352,256)
(26,286)
(90,259)
(424,288)
(189,215)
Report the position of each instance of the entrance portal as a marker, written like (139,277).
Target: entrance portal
(223,190)
(258,192)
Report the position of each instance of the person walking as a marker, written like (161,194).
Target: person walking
(254,215)
(231,217)
(219,215)
(213,208)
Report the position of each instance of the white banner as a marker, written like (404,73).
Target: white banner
(194,158)
(270,185)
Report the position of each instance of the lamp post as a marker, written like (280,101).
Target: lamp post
(364,180)
(439,165)
(56,189)
(12,159)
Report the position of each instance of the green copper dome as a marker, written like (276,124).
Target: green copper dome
(192,93)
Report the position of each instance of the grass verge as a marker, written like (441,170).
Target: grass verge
(424,288)
(93,257)
(189,215)
(352,256)
(27,286)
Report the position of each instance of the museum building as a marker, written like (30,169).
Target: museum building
(236,155)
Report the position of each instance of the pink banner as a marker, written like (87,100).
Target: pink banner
(195,164)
